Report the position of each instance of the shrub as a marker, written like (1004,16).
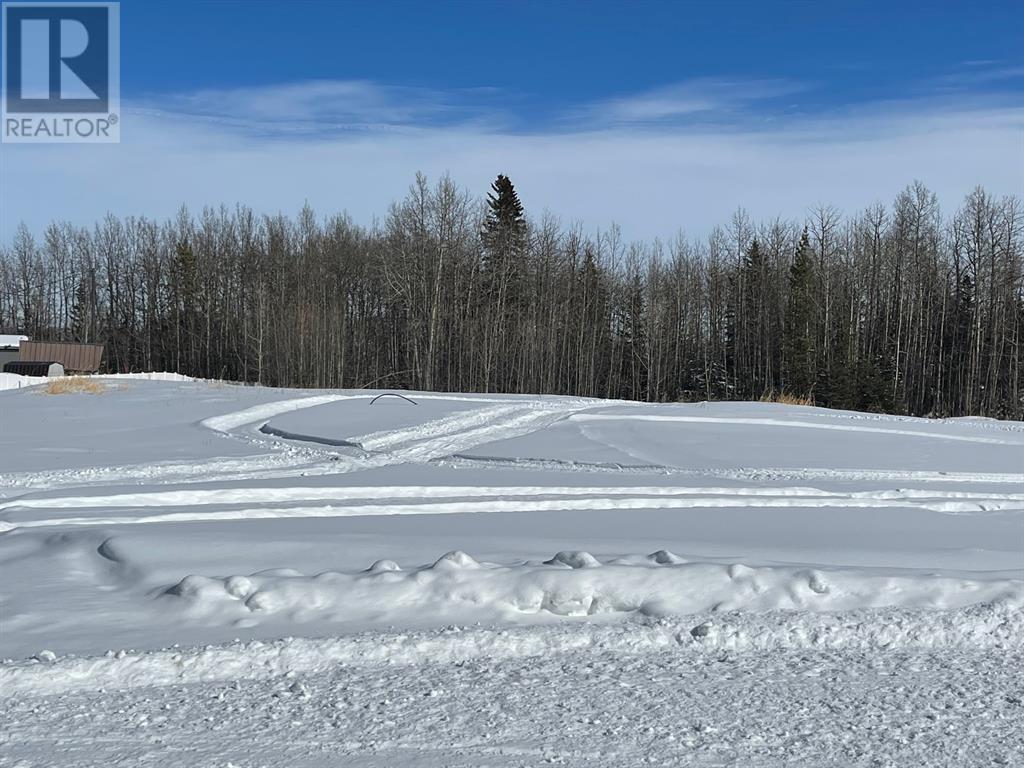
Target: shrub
(68,385)
(786,398)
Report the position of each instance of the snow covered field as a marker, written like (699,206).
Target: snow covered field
(197,574)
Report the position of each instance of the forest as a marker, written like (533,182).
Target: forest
(900,309)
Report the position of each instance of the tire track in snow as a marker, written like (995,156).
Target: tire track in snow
(229,422)
(466,460)
(282,459)
(212,469)
(614,499)
(220,496)
(442,437)
(499,419)
(789,423)
(464,432)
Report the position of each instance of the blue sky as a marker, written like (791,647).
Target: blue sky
(773,106)
(540,57)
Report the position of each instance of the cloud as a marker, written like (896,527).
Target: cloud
(319,107)
(626,161)
(982,73)
(705,97)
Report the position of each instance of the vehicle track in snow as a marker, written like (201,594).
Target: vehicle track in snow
(289,455)
(447,441)
(792,424)
(192,505)
(471,461)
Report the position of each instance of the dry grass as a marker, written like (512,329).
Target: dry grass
(70,385)
(786,398)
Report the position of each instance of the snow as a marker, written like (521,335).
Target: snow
(522,578)
(11,341)
(17,381)
(978,628)
(658,706)
(874,688)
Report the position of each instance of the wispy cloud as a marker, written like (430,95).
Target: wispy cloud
(332,106)
(703,97)
(329,108)
(324,106)
(978,74)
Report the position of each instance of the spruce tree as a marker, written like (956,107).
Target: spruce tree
(732,332)
(633,331)
(750,324)
(800,332)
(504,237)
(184,289)
(82,313)
(872,390)
(592,328)
(502,271)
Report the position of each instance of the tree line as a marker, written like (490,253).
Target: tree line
(896,309)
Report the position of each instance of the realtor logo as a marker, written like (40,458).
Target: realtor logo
(61,77)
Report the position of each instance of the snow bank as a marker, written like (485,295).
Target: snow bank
(984,627)
(569,584)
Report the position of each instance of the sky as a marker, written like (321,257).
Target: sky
(657,116)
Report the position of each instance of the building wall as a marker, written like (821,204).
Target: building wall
(77,358)
(7,356)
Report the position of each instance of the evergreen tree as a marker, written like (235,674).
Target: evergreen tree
(184,287)
(504,238)
(800,332)
(592,329)
(502,268)
(633,333)
(82,313)
(751,323)
(958,333)
(733,366)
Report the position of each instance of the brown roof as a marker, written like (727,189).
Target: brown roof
(81,358)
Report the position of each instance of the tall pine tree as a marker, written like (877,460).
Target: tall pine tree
(83,313)
(751,323)
(502,271)
(632,330)
(184,289)
(504,239)
(800,330)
